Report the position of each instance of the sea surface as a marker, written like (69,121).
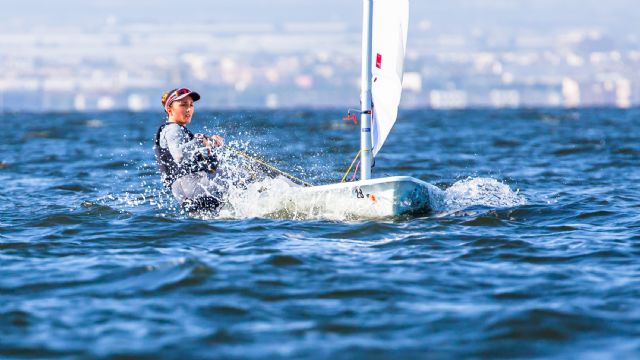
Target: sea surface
(534,253)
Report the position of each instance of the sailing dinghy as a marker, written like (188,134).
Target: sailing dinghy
(384,39)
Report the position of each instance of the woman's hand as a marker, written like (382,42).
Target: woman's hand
(217,140)
(204,139)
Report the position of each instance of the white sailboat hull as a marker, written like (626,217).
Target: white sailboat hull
(374,198)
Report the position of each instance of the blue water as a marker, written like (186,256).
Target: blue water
(535,253)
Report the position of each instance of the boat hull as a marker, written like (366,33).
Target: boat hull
(374,198)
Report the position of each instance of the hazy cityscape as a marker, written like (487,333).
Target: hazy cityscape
(114,62)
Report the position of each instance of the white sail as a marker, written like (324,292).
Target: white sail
(390,26)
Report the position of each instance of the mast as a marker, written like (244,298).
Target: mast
(366,155)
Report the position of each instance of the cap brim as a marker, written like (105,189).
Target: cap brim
(194,95)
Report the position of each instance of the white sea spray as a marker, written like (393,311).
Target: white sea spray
(480,191)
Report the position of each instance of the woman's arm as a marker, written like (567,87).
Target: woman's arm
(179,144)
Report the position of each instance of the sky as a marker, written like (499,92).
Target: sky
(614,16)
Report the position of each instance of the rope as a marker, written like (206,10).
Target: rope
(263,163)
(355,172)
(351,166)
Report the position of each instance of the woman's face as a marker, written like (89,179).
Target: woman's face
(181,111)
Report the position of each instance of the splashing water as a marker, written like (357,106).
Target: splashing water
(266,198)
(479,192)
(251,192)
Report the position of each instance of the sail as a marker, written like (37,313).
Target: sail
(390,25)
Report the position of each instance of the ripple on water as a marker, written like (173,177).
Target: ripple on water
(543,324)
(485,220)
(572,258)
(160,278)
(284,260)
(73,188)
(16,319)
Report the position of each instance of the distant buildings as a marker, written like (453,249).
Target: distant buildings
(570,93)
(127,66)
(448,99)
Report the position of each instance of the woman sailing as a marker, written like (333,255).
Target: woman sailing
(186,161)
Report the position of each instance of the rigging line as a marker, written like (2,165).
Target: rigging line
(263,163)
(351,166)
(355,172)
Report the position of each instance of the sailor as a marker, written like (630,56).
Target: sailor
(186,161)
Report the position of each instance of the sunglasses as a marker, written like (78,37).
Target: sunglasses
(182,91)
